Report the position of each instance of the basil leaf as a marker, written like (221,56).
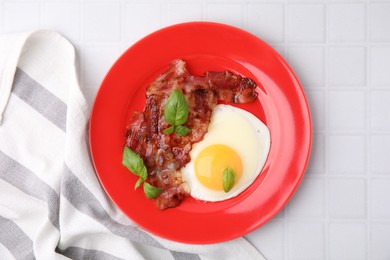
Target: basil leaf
(139,182)
(182,130)
(176,114)
(176,109)
(151,191)
(134,163)
(228,179)
(169,130)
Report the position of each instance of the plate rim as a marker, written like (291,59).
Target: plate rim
(301,93)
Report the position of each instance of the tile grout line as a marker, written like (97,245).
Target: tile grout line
(163,17)
(286,251)
(326,134)
(245,16)
(122,7)
(203,8)
(368,128)
(330,44)
(2,16)
(40,14)
(82,42)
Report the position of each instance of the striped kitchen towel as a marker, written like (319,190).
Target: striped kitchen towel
(51,203)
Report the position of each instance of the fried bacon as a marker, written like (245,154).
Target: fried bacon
(164,154)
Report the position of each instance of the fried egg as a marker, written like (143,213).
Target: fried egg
(235,139)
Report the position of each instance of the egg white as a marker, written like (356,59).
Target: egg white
(241,131)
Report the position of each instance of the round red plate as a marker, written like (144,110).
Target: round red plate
(281,105)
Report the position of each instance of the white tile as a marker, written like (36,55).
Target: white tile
(380,107)
(231,14)
(316,101)
(347,22)
(347,66)
(347,241)
(309,65)
(308,201)
(379,244)
(280,214)
(347,110)
(279,49)
(266,21)
(379,23)
(148,14)
(102,22)
(347,154)
(347,198)
(305,23)
(1,20)
(379,154)
(269,239)
(380,198)
(64,18)
(317,155)
(21,16)
(380,66)
(306,241)
(178,13)
(96,61)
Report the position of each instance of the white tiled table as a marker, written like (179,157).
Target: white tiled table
(341,53)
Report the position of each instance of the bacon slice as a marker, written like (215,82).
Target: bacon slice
(163,154)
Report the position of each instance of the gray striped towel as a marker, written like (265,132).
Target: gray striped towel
(51,203)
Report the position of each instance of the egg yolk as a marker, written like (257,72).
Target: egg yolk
(212,161)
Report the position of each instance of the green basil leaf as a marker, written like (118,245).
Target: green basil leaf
(228,179)
(182,130)
(139,182)
(134,163)
(176,109)
(169,130)
(151,191)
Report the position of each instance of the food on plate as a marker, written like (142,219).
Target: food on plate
(177,114)
(235,138)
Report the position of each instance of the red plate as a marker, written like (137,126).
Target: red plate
(281,105)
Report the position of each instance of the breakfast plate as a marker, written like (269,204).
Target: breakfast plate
(281,105)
